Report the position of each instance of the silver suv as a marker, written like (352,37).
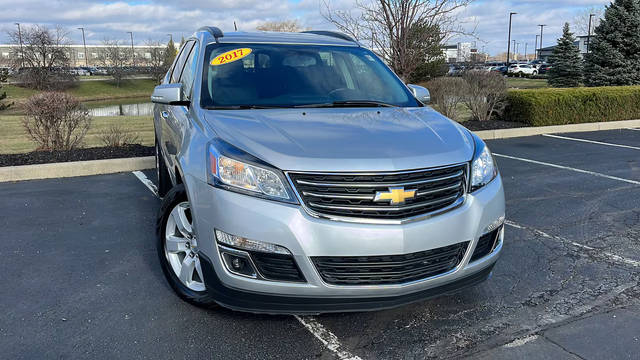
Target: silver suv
(299,174)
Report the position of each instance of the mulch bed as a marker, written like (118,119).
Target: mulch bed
(97,153)
(475,125)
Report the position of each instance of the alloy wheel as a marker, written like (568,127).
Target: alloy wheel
(181,247)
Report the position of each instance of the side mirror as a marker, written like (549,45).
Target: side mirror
(169,94)
(420,93)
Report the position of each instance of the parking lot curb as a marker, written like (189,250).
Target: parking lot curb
(75,168)
(530,131)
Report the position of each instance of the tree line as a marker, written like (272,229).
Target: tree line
(613,57)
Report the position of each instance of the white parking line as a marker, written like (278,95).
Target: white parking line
(328,339)
(148,183)
(634,182)
(591,141)
(607,256)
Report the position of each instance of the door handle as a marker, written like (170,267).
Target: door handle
(164,114)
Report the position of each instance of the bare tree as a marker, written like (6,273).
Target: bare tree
(43,54)
(114,56)
(397,29)
(282,26)
(55,121)
(485,94)
(580,23)
(157,60)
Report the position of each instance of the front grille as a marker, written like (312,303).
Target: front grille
(389,269)
(353,194)
(486,243)
(277,266)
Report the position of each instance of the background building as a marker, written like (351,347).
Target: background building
(581,43)
(142,54)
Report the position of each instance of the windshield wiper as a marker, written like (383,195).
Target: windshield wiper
(347,103)
(241,107)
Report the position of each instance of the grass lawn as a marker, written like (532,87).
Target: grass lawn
(13,139)
(524,83)
(92,90)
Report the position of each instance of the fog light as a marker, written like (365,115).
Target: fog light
(494,225)
(238,262)
(247,244)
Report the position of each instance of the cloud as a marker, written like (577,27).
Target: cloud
(154,19)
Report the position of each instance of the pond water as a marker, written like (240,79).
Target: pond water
(138,109)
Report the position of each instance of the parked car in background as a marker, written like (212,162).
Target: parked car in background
(299,174)
(522,70)
(499,69)
(544,68)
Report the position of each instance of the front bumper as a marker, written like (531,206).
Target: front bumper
(306,236)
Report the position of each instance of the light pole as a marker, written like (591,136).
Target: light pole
(526,56)
(536,49)
(84,44)
(20,41)
(541,28)
(514,50)
(509,40)
(589,34)
(133,55)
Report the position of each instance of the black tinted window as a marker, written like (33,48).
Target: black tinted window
(189,71)
(290,75)
(177,69)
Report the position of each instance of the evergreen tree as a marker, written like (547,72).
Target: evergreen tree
(566,62)
(614,52)
(3,94)
(181,43)
(170,53)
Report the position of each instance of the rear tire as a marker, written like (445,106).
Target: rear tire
(164,180)
(178,252)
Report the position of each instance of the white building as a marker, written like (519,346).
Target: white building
(459,52)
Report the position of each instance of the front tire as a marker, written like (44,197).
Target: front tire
(177,249)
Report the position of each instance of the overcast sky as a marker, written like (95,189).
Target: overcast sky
(155,19)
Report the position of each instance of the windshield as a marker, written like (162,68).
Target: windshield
(275,75)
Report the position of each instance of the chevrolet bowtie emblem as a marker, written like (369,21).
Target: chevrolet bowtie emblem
(397,195)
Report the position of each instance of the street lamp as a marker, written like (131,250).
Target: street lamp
(536,48)
(84,43)
(133,55)
(541,28)
(589,34)
(526,56)
(509,40)
(514,49)
(517,54)
(20,41)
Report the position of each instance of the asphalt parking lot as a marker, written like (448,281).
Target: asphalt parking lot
(80,278)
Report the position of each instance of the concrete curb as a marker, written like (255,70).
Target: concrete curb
(75,168)
(97,167)
(530,131)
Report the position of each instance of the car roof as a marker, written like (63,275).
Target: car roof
(272,37)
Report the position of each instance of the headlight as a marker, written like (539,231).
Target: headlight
(250,175)
(483,168)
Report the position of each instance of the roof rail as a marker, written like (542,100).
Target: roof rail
(214,31)
(334,34)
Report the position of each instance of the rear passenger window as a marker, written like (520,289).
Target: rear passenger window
(189,72)
(177,69)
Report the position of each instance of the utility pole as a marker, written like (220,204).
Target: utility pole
(84,43)
(589,34)
(536,49)
(133,55)
(541,29)
(509,40)
(20,41)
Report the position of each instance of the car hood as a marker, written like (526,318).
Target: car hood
(345,139)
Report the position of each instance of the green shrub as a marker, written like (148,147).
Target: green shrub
(540,107)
